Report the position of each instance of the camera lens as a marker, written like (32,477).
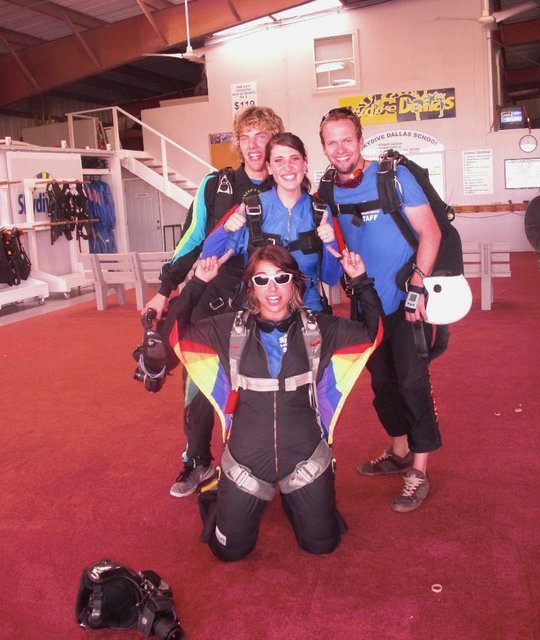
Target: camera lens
(168,628)
(139,375)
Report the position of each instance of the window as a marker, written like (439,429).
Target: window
(335,62)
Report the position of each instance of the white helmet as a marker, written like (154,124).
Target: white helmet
(449,298)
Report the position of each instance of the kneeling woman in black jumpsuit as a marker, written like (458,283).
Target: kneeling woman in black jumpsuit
(276,436)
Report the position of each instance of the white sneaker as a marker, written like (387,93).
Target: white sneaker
(189,479)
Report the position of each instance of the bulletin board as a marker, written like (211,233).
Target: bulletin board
(221,150)
(522,173)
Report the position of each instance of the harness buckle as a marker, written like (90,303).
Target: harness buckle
(216,304)
(242,477)
(253,209)
(309,471)
(290,384)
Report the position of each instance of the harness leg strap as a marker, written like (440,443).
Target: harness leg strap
(244,479)
(309,470)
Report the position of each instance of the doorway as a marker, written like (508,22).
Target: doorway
(143,216)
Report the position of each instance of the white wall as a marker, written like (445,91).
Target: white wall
(403,45)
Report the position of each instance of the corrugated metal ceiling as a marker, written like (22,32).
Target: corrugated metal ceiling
(27,23)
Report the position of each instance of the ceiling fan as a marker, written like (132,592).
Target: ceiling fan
(189,54)
(493,19)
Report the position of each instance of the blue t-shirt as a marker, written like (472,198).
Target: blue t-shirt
(275,345)
(378,239)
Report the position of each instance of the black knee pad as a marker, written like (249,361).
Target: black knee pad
(208,510)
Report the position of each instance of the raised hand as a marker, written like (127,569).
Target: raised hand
(325,230)
(207,269)
(352,263)
(237,220)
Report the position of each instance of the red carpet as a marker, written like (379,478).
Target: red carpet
(88,458)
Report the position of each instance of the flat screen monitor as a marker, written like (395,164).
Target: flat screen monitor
(512,117)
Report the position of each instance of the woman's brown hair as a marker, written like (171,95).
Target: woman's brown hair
(288,139)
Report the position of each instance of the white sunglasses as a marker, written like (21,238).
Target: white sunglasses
(263,280)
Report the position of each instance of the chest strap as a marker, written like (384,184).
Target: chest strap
(273,384)
(307,242)
(356,210)
(244,479)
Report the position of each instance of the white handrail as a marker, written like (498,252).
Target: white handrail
(115,110)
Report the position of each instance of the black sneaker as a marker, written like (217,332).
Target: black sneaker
(387,462)
(415,491)
(191,476)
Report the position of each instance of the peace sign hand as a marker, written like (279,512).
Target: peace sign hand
(352,263)
(207,269)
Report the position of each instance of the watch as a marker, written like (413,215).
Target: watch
(528,143)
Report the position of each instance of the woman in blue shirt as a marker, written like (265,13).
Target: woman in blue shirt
(287,219)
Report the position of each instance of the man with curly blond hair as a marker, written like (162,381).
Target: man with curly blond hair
(218,192)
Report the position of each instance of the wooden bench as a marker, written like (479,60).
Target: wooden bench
(115,271)
(148,266)
(486,260)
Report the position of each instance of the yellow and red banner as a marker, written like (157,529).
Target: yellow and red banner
(402,106)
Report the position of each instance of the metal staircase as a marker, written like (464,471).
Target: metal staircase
(156,171)
(151,170)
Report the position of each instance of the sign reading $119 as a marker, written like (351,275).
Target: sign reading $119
(243,94)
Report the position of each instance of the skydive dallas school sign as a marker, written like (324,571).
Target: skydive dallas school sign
(402,106)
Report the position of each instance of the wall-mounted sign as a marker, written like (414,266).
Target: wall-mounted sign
(407,141)
(243,94)
(41,166)
(477,172)
(522,173)
(418,146)
(403,106)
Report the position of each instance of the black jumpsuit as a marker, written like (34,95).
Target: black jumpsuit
(273,431)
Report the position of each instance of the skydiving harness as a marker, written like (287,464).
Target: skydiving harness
(224,294)
(450,255)
(307,242)
(15,264)
(449,260)
(306,471)
(66,207)
(312,342)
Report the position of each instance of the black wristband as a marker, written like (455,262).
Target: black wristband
(359,281)
(415,288)
(198,281)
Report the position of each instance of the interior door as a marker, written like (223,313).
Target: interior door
(143,213)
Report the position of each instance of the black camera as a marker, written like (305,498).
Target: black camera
(151,356)
(158,617)
(116,597)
